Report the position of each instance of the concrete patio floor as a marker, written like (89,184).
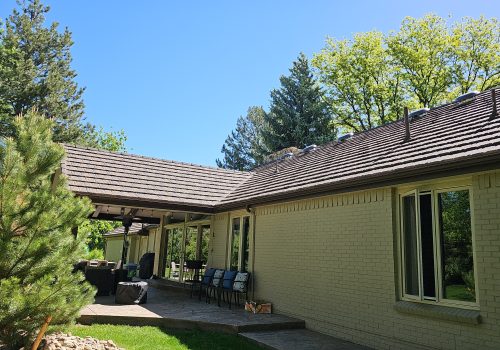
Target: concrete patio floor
(173,308)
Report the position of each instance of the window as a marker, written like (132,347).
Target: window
(437,259)
(239,247)
(235,244)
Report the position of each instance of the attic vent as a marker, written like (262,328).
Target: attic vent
(309,148)
(418,113)
(467,96)
(345,137)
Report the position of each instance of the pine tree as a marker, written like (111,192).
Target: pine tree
(37,248)
(298,115)
(35,72)
(243,148)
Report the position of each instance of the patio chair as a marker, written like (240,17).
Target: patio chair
(240,286)
(193,268)
(214,284)
(174,270)
(226,286)
(205,282)
(101,277)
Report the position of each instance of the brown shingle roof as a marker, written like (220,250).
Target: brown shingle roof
(453,136)
(104,174)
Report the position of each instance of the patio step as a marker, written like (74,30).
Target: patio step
(299,339)
(175,309)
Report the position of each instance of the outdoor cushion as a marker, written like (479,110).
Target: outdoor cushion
(228,279)
(240,282)
(207,277)
(216,281)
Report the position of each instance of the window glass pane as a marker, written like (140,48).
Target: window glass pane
(205,240)
(410,245)
(456,246)
(235,244)
(191,238)
(173,253)
(246,228)
(427,244)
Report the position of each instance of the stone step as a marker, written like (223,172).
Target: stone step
(299,339)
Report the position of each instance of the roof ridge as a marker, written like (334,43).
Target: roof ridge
(364,132)
(65,144)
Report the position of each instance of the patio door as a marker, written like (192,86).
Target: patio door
(185,242)
(173,254)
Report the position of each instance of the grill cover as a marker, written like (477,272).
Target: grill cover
(131,293)
(146,265)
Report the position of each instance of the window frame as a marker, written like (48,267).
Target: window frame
(434,191)
(241,218)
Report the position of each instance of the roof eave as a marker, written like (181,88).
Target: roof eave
(443,169)
(148,204)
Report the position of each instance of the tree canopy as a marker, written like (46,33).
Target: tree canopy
(299,115)
(244,147)
(36,72)
(363,88)
(368,79)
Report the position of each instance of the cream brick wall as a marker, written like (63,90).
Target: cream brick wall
(331,262)
(218,240)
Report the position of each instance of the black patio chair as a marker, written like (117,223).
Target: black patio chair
(213,287)
(193,267)
(206,281)
(240,286)
(226,286)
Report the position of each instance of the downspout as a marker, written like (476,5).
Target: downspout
(254,223)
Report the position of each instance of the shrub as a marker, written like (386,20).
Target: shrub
(37,248)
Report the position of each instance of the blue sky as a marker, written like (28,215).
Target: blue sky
(175,75)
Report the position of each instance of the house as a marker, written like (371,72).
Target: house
(141,240)
(388,238)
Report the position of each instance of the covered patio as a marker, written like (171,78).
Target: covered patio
(173,308)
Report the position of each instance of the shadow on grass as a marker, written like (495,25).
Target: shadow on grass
(202,340)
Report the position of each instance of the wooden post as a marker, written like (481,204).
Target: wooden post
(41,333)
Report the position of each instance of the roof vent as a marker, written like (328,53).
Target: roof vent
(309,148)
(287,155)
(418,113)
(345,137)
(467,96)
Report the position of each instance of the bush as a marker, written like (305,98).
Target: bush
(95,254)
(37,248)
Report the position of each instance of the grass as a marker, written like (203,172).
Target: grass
(458,292)
(151,338)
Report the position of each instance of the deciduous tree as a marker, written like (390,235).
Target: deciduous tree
(476,54)
(364,89)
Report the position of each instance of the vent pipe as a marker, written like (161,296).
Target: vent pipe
(345,137)
(494,113)
(407,125)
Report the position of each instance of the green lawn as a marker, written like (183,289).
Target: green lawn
(151,338)
(458,292)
